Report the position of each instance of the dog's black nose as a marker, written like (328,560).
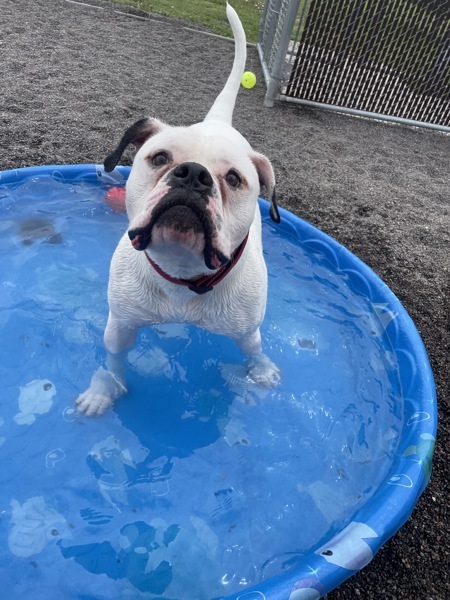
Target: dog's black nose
(193,175)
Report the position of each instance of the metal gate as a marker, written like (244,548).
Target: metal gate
(383,58)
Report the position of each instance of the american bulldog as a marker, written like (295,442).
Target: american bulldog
(192,252)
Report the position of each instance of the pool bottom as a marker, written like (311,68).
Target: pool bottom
(195,466)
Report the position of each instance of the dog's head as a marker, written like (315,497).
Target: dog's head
(192,192)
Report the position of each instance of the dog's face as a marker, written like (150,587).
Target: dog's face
(192,193)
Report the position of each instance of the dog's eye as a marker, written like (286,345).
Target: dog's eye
(160,159)
(233,179)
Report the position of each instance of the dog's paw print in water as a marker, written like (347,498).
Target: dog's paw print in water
(263,372)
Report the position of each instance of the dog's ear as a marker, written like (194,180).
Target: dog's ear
(267,179)
(137,135)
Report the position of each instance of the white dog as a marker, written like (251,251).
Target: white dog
(192,252)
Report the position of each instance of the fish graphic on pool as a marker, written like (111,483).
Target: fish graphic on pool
(34,525)
(349,549)
(35,398)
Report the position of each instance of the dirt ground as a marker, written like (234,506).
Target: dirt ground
(74,77)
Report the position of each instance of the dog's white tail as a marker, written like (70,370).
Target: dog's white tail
(222,109)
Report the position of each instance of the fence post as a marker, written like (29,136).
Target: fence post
(267,28)
(274,74)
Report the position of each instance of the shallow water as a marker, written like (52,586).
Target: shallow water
(198,484)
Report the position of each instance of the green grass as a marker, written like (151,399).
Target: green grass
(210,13)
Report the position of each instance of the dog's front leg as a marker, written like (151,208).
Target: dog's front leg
(107,385)
(261,370)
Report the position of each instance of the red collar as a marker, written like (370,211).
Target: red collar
(207,282)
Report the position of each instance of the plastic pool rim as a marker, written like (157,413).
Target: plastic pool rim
(392,504)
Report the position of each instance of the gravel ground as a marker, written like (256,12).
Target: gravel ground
(74,77)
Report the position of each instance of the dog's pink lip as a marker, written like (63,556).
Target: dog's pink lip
(199,223)
(139,238)
(176,217)
(178,208)
(215,259)
(136,242)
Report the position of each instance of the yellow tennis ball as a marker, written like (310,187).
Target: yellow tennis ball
(248,80)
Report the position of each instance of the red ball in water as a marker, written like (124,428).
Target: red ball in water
(115,198)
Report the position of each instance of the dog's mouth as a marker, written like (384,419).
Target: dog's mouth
(180,218)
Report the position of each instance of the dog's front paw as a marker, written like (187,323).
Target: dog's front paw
(92,404)
(263,372)
(104,389)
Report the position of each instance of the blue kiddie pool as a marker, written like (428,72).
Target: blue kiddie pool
(198,485)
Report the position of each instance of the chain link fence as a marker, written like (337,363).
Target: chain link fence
(383,58)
